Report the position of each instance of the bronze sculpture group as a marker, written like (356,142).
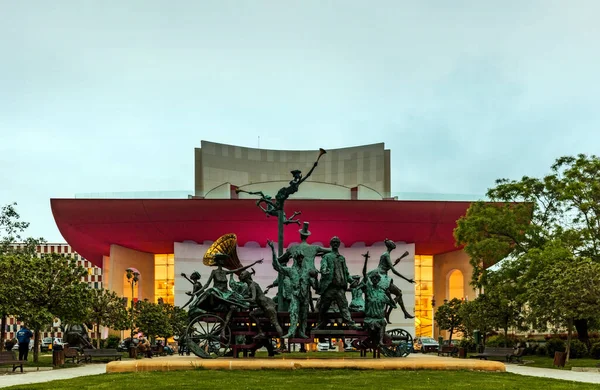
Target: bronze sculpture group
(295,284)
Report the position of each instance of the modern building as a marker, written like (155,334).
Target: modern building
(93,278)
(347,195)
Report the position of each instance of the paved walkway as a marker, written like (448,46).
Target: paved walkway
(46,376)
(568,375)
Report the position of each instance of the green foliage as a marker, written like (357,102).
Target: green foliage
(112,341)
(468,344)
(177,318)
(10,226)
(477,315)
(500,341)
(578,349)
(555,345)
(533,225)
(49,286)
(595,350)
(542,351)
(152,319)
(448,316)
(106,308)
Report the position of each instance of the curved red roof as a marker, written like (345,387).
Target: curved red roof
(90,226)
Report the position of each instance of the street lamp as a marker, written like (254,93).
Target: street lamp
(133,277)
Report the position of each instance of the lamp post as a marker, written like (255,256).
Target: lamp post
(133,277)
(432,316)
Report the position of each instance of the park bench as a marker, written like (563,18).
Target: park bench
(447,350)
(502,352)
(8,358)
(158,350)
(74,355)
(517,357)
(89,354)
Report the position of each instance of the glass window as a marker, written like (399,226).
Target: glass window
(423,295)
(164,277)
(456,288)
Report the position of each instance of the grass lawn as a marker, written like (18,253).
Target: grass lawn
(546,362)
(309,379)
(45,360)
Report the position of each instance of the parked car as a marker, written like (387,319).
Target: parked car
(323,346)
(425,344)
(124,344)
(46,341)
(448,343)
(16,346)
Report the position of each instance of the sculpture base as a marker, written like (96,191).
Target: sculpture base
(417,362)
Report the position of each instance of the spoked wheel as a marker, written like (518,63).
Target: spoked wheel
(398,343)
(208,336)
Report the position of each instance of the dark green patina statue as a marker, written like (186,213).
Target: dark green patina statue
(297,291)
(386,283)
(262,305)
(276,208)
(334,283)
(310,252)
(194,279)
(219,297)
(377,298)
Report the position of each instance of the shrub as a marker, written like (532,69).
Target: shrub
(531,349)
(102,342)
(542,350)
(555,345)
(112,342)
(498,341)
(468,344)
(595,350)
(578,349)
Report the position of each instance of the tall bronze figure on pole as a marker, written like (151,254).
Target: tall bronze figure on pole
(275,208)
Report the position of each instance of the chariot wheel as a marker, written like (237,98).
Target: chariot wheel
(398,343)
(208,336)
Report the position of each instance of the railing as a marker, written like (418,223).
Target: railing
(185,194)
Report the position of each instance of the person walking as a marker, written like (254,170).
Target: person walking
(24,336)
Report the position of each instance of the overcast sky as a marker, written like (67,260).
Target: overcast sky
(113,95)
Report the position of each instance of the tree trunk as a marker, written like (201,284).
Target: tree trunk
(450,338)
(506,333)
(569,335)
(2,331)
(36,345)
(581,325)
(98,335)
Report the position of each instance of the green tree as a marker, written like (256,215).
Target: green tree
(178,319)
(10,226)
(152,319)
(567,289)
(51,286)
(106,308)
(448,317)
(11,229)
(563,205)
(478,315)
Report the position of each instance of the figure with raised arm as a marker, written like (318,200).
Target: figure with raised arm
(386,283)
(219,297)
(194,279)
(297,291)
(272,207)
(376,300)
(334,283)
